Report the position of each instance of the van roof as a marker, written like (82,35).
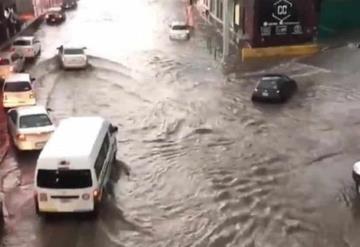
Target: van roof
(28,38)
(16,77)
(76,141)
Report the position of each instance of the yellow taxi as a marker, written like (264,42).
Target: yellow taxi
(19,90)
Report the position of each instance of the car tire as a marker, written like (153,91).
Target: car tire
(187,36)
(37,211)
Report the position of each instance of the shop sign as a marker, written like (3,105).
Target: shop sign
(279,18)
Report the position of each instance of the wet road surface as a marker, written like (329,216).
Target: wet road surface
(206,166)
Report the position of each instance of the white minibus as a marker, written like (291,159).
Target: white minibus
(74,166)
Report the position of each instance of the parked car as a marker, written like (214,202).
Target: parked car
(75,166)
(30,127)
(19,90)
(274,88)
(71,57)
(27,46)
(55,15)
(179,31)
(69,4)
(11,62)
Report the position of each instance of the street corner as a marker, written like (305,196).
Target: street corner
(279,51)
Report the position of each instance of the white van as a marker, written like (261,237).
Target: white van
(75,165)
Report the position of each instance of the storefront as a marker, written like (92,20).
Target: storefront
(280,22)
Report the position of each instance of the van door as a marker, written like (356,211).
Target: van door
(102,162)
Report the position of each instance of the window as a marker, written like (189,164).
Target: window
(179,27)
(73,51)
(22,42)
(220,9)
(64,179)
(269,84)
(13,116)
(20,86)
(100,160)
(33,121)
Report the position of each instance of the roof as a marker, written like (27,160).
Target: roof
(54,9)
(29,110)
(178,23)
(25,38)
(16,77)
(71,47)
(75,140)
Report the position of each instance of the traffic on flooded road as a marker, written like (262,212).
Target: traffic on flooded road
(121,135)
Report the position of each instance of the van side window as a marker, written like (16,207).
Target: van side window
(13,116)
(99,163)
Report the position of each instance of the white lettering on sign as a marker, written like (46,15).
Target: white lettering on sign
(282,9)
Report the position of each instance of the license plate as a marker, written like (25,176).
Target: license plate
(265,94)
(40,144)
(52,19)
(65,200)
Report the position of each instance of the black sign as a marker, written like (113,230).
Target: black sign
(279,18)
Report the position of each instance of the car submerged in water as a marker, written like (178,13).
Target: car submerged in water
(274,88)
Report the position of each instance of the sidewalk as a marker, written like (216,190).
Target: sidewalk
(28,29)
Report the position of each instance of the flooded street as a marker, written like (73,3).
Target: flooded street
(206,166)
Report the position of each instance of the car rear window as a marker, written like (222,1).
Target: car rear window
(21,86)
(33,121)
(179,27)
(4,61)
(271,83)
(64,179)
(73,51)
(22,42)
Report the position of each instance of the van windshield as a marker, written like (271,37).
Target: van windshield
(64,179)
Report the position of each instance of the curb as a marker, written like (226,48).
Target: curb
(279,51)
(28,26)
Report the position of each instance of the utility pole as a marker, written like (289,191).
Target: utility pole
(226,30)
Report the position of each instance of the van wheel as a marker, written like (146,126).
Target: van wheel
(114,158)
(95,213)
(37,211)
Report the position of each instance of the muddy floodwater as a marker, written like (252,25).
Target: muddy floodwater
(198,163)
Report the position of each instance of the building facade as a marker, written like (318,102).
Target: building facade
(13,13)
(262,23)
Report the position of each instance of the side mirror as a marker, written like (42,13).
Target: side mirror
(113,129)
(32,79)
(84,47)
(49,109)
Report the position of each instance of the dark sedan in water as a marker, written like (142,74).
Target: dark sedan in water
(55,16)
(69,5)
(274,88)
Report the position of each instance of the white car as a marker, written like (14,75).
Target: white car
(11,62)
(179,31)
(19,90)
(30,127)
(72,57)
(27,46)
